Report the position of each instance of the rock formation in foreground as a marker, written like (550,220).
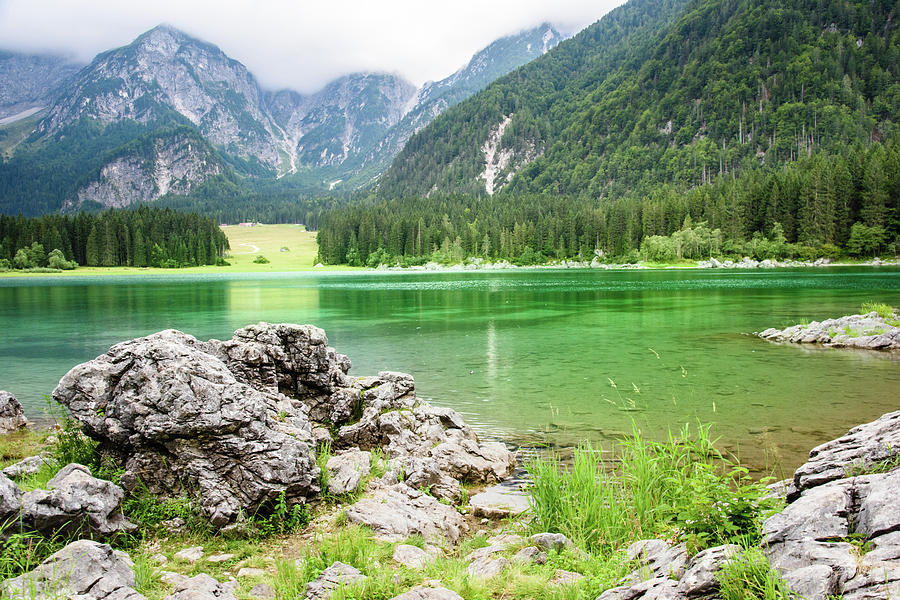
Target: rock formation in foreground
(12,416)
(869,331)
(237,421)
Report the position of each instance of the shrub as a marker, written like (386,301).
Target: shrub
(261,260)
(56,260)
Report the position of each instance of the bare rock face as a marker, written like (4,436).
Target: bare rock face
(85,569)
(177,416)
(76,504)
(12,417)
(840,534)
(860,449)
(10,498)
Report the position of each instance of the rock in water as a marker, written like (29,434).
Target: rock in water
(84,569)
(76,504)
(177,416)
(12,416)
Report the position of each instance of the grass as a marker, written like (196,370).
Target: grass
(681,489)
(247,243)
(885,311)
(750,577)
(21,444)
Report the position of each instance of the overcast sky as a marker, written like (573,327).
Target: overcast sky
(297,44)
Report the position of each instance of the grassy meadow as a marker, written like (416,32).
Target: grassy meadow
(286,247)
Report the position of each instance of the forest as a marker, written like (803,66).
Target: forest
(818,206)
(144,237)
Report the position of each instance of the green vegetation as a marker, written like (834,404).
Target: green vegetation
(681,489)
(885,311)
(137,238)
(260,260)
(750,577)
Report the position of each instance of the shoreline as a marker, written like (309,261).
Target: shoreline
(437,268)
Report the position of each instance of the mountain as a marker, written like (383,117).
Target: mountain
(764,128)
(669,92)
(496,60)
(28,82)
(167,81)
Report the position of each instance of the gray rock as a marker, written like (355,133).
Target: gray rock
(662,559)
(563,577)
(335,576)
(868,331)
(12,416)
(10,498)
(530,554)
(700,575)
(485,568)
(250,572)
(426,474)
(397,512)
(466,460)
(346,470)
(175,413)
(202,587)
(191,555)
(27,466)
(480,554)
(815,582)
(219,558)
(551,541)
(428,593)
(861,448)
(499,502)
(262,591)
(412,557)
(76,504)
(84,569)
(819,514)
(651,589)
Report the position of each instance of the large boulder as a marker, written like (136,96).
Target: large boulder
(12,416)
(76,504)
(10,499)
(85,569)
(236,420)
(179,418)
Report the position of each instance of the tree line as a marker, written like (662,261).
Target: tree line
(810,207)
(143,237)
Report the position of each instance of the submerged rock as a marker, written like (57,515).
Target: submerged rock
(84,569)
(12,415)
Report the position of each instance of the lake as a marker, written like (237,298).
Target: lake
(531,356)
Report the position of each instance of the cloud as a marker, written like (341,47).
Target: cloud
(296,44)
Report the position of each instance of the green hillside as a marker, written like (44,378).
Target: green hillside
(763,120)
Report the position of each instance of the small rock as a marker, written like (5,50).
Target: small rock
(262,591)
(12,416)
(428,593)
(562,577)
(202,587)
(219,558)
(191,555)
(346,470)
(499,502)
(700,575)
(27,466)
(531,554)
(335,576)
(173,579)
(551,541)
(173,525)
(397,512)
(250,572)
(159,559)
(486,568)
(412,557)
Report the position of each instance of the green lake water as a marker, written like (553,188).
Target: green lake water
(532,357)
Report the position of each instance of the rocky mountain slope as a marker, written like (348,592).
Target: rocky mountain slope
(29,81)
(344,135)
